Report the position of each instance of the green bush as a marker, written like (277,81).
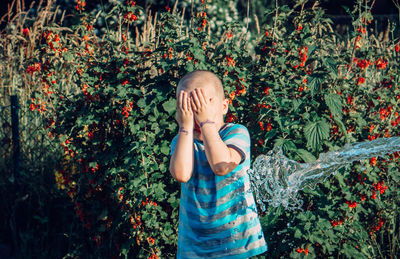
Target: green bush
(109,103)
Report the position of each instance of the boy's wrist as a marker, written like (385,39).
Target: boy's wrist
(206,122)
(188,126)
(185,130)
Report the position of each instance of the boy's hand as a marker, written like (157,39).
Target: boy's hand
(202,106)
(184,112)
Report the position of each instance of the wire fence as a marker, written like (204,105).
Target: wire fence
(24,144)
(28,160)
(9,144)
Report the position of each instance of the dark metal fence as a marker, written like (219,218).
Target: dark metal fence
(9,138)
(24,145)
(28,160)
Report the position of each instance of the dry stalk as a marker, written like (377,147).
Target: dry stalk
(209,32)
(137,37)
(35,23)
(222,40)
(46,14)
(17,49)
(119,36)
(273,30)
(19,6)
(9,13)
(376,40)
(257,23)
(158,36)
(180,27)
(331,30)
(350,66)
(25,16)
(55,14)
(174,8)
(386,35)
(153,27)
(380,36)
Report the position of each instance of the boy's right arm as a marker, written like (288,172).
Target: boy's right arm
(181,163)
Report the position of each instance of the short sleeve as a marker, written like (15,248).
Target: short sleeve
(173,143)
(238,137)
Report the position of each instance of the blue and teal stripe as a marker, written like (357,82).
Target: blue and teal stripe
(218,215)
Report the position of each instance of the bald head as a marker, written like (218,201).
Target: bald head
(201,78)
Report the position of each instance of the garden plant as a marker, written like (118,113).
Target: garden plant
(103,84)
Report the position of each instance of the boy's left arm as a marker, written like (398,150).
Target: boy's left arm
(222,159)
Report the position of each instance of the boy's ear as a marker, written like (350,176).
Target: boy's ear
(225,108)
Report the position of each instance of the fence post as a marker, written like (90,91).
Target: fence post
(15,137)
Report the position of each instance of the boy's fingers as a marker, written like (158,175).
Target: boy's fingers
(188,105)
(178,104)
(196,99)
(184,102)
(193,104)
(194,107)
(203,96)
(187,102)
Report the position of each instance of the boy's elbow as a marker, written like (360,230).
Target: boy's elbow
(182,179)
(179,176)
(221,171)
(224,168)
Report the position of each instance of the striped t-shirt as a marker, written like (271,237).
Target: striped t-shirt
(217,214)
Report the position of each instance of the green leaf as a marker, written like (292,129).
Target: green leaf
(285,144)
(92,164)
(348,11)
(316,132)
(351,252)
(165,150)
(141,103)
(361,122)
(311,49)
(334,102)
(173,200)
(307,226)
(305,155)
(331,65)
(297,233)
(125,248)
(315,237)
(314,83)
(296,104)
(170,106)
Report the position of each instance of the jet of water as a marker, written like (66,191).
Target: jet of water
(276,179)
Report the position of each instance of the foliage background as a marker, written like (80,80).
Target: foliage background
(97,85)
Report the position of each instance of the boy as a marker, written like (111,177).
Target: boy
(217,215)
